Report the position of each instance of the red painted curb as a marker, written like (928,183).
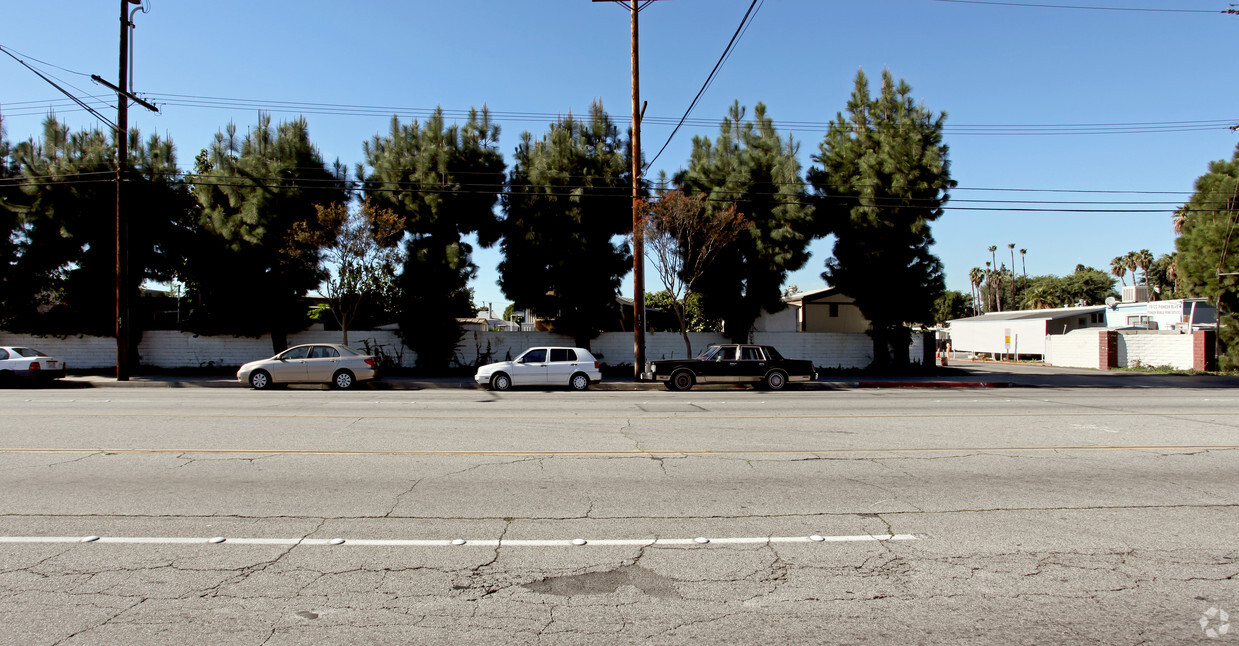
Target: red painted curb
(933,384)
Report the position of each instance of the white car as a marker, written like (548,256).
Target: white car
(17,362)
(572,367)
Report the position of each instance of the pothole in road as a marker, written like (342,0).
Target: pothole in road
(647,581)
(671,408)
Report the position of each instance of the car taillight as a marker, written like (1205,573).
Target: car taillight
(369,361)
(595,365)
(34,365)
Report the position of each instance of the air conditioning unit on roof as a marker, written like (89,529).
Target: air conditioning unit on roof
(1135,293)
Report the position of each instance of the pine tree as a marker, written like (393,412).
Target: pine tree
(752,169)
(569,194)
(883,178)
(65,262)
(1208,250)
(444,180)
(250,277)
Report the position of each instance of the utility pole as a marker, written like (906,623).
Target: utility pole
(638,233)
(122,223)
(123,96)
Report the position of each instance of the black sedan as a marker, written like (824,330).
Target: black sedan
(730,364)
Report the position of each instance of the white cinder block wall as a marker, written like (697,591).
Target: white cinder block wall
(173,349)
(1155,348)
(1075,349)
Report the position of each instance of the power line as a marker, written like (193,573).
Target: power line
(1049,129)
(1062,6)
(709,79)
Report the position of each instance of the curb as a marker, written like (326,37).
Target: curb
(468,384)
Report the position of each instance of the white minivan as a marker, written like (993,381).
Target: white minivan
(548,366)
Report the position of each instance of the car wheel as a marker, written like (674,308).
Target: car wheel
(343,380)
(682,380)
(776,380)
(260,380)
(501,381)
(579,381)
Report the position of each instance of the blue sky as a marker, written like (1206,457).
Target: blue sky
(1024,75)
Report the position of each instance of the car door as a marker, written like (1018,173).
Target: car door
(321,363)
(530,368)
(562,366)
(753,364)
(289,366)
(723,368)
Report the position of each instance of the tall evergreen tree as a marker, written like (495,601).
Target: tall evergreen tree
(755,171)
(66,256)
(569,195)
(1207,262)
(10,190)
(445,181)
(883,177)
(255,193)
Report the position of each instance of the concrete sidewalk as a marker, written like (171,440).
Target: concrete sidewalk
(969,375)
(422,383)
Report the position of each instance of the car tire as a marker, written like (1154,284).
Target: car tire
(343,380)
(260,380)
(579,381)
(500,381)
(681,380)
(775,380)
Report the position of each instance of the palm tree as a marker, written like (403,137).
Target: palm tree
(1039,298)
(1024,267)
(989,287)
(1145,258)
(1118,267)
(1011,248)
(996,281)
(1179,219)
(975,277)
(1133,263)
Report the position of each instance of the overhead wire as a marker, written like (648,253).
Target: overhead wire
(1084,7)
(704,86)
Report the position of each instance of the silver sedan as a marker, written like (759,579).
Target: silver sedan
(321,363)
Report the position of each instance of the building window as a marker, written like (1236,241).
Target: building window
(834,310)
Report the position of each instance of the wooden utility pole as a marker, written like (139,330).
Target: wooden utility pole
(123,97)
(638,226)
(638,237)
(122,223)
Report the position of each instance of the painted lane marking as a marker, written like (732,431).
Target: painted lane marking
(543,418)
(383,542)
(621,453)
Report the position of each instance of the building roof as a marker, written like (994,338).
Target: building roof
(1031,315)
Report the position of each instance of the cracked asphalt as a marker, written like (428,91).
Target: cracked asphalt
(1045,515)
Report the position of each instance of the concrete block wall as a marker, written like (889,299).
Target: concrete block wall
(174,349)
(1155,348)
(1076,349)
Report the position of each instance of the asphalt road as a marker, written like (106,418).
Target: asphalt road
(1017,515)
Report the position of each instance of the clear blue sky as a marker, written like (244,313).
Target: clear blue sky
(1006,70)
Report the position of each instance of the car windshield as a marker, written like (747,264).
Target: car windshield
(708,353)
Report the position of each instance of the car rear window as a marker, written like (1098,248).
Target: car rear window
(772,353)
(563,354)
(751,353)
(27,352)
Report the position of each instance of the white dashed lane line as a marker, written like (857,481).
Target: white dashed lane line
(367,542)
